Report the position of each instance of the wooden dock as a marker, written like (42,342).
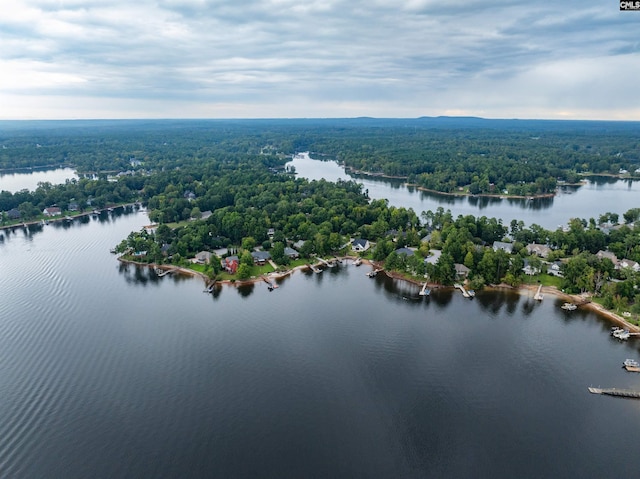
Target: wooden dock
(625,393)
(632,369)
(538,296)
(314,268)
(328,264)
(270,284)
(374,273)
(163,272)
(465,293)
(424,291)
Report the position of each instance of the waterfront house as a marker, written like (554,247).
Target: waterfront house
(52,211)
(507,247)
(461,271)
(291,253)
(13,214)
(73,206)
(528,269)
(203,257)
(538,249)
(405,251)
(260,257)
(554,269)
(358,245)
(230,264)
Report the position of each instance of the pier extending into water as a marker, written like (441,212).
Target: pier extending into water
(315,269)
(163,272)
(538,296)
(374,273)
(424,291)
(465,293)
(625,393)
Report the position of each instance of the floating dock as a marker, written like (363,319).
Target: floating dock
(538,296)
(632,369)
(625,393)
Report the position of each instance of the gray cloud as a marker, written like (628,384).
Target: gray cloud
(317,58)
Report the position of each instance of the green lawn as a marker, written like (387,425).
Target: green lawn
(545,279)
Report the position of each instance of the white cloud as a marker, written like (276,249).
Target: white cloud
(157,58)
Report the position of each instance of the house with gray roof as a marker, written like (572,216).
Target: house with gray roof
(203,257)
(461,270)
(538,249)
(360,245)
(260,257)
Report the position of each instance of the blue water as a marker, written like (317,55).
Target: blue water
(596,197)
(108,371)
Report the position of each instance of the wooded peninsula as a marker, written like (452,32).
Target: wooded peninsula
(220,190)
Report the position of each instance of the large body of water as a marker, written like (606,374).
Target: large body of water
(28,180)
(108,371)
(596,197)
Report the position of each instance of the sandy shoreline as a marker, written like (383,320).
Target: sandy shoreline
(583,301)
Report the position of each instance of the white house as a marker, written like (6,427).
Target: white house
(627,263)
(52,211)
(360,245)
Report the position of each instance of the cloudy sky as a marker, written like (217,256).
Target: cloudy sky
(328,58)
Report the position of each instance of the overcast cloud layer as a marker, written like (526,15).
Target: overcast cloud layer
(328,58)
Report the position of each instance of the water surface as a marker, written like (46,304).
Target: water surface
(108,371)
(29,179)
(596,197)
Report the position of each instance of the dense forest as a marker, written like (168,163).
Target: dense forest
(222,184)
(516,157)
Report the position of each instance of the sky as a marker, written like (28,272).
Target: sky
(73,59)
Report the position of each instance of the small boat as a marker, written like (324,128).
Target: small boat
(631,363)
(622,334)
(569,307)
(372,274)
(68,218)
(471,293)
(357,261)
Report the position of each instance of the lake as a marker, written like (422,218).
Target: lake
(29,179)
(596,197)
(108,371)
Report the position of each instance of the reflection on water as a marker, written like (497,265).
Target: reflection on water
(597,196)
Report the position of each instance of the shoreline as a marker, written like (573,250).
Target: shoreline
(62,217)
(522,289)
(444,193)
